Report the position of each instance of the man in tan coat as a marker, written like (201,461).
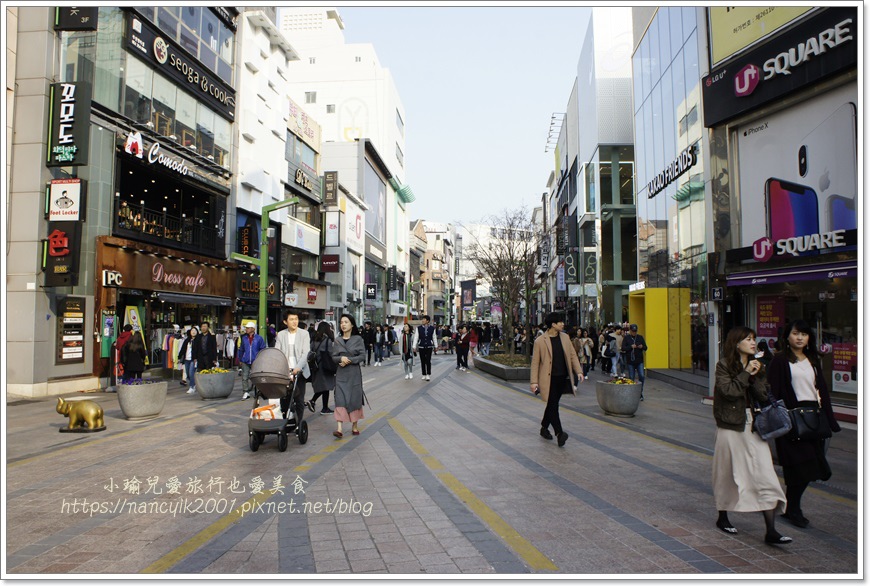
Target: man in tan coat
(555,367)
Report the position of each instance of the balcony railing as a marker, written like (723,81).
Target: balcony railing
(159,227)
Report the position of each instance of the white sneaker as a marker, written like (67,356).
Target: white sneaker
(411,375)
(191,391)
(245,396)
(406,377)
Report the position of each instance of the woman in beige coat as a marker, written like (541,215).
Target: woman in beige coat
(555,367)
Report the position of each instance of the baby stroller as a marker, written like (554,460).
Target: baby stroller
(271,378)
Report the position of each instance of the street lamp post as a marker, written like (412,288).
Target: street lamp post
(263,262)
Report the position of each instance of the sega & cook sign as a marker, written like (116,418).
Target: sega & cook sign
(817,48)
(172,61)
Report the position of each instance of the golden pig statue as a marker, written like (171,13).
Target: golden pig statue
(81,413)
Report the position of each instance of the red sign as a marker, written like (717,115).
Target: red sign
(58,243)
(312,295)
(329,263)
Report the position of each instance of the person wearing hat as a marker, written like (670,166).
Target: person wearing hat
(633,347)
(250,346)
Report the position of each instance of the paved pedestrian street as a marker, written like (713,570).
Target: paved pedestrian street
(448,476)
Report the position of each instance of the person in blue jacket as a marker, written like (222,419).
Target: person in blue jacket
(251,344)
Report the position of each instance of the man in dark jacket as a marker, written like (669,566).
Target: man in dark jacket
(425,345)
(368,336)
(207,357)
(633,347)
(251,344)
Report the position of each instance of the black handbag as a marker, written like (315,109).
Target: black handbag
(808,424)
(772,421)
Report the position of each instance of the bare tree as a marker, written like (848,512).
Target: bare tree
(507,257)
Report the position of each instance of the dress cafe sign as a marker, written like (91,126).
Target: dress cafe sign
(192,282)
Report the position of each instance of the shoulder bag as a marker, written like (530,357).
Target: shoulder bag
(808,424)
(772,421)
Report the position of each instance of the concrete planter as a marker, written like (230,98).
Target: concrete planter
(618,400)
(215,386)
(501,371)
(142,401)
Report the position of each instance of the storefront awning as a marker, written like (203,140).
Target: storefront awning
(195,299)
(782,275)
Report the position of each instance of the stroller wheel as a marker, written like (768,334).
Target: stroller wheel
(254,441)
(302,432)
(282,441)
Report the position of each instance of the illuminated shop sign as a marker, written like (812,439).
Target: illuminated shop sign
(810,51)
(69,113)
(172,61)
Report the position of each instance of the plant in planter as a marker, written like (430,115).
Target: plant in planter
(141,398)
(215,383)
(619,396)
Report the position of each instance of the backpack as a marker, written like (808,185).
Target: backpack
(610,349)
(322,359)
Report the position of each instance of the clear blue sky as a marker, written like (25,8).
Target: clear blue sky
(479,86)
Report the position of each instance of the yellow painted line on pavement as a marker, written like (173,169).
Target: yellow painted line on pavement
(213,530)
(528,552)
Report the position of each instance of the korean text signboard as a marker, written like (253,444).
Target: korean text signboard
(770,318)
(845,367)
(70,342)
(76,18)
(330,188)
(69,114)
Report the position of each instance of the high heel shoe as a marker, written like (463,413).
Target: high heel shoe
(338,434)
(726,527)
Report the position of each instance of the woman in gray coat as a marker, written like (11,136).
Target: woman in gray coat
(348,353)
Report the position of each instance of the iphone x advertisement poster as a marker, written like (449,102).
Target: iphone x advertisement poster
(799,177)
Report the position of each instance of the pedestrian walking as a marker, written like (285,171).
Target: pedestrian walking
(633,347)
(485,340)
(249,346)
(408,349)
(743,476)
(555,367)
(380,339)
(585,354)
(463,339)
(617,364)
(368,335)
(187,354)
(133,356)
(348,353)
(425,345)
(496,336)
(795,376)
(295,343)
(207,357)
(323,379)
(593,339)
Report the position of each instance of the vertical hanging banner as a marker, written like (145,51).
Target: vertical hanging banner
(469,293)
(330,188)
(69,114)
(132,317)
(60,254)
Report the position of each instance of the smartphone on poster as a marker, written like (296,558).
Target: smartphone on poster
(792,211)
(841,214)
(827,160)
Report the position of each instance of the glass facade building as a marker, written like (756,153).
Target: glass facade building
(670,299)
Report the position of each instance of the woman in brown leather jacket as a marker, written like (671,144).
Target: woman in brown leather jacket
(743,476)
